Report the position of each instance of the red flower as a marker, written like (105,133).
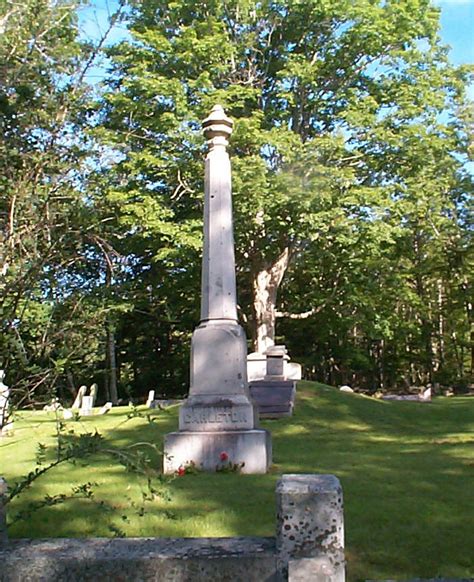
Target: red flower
(181,471)
(224,456)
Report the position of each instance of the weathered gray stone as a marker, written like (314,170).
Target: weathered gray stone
(273,399)
(277,357)
(310,528)
(142,559)
(215,412)
(251,447)
(219,407)
(308,548)
(218,359)
(219,296)
(317,569)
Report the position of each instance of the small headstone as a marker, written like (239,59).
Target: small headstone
(276,359)
(150,399)
(425,396)
(256,366)
(274,399)
(293,371)
(345,389)
(93,393)
(86,408)
(5,425)
(68,414)
(104,409)
(53,406)
(80,395)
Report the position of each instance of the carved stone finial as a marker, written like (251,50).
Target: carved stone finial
(217,124)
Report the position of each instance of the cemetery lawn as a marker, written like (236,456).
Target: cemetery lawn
(407,471)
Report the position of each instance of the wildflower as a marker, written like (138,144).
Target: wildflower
(224,456)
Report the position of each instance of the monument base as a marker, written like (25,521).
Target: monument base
(204,449)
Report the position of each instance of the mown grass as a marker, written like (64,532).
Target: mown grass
(407,471)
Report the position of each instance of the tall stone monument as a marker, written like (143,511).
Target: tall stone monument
(218,419)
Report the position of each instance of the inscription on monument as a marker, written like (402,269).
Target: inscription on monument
(221,415)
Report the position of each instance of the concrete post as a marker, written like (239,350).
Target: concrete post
(310,529)
(3,512)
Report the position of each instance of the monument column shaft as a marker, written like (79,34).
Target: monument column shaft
(219,298)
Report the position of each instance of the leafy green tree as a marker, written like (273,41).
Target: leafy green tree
(330,100)
(48,231)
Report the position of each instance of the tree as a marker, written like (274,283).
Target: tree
(48,230)
(324,95)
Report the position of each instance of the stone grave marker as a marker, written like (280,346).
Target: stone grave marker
(93,393)
(86,408)
(106,408)
(5,423)
(277,357)
(274,394)
(80,395)
(218,416)
(150,399)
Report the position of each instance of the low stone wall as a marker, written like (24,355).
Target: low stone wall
(308,546)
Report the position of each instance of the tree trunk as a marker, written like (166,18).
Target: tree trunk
(112,364)
(111,359)
(265,286)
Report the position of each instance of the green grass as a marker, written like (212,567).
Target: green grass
(407,472)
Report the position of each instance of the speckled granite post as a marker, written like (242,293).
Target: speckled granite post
(3,512)
(139,560)
(310,528)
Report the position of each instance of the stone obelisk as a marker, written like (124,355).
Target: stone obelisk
(218,416)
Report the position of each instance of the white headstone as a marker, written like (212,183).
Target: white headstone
(5,423)
(86,408)
(80,395)
(4,400)
(425,396)
(104,409)
(151,398)
(93,393)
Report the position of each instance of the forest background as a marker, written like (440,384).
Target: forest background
(352,192)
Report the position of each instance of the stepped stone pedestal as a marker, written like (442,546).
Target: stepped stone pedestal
(218,422)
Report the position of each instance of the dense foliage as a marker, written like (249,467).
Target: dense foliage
(351,194)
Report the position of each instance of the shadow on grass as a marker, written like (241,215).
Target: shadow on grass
(406,470)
